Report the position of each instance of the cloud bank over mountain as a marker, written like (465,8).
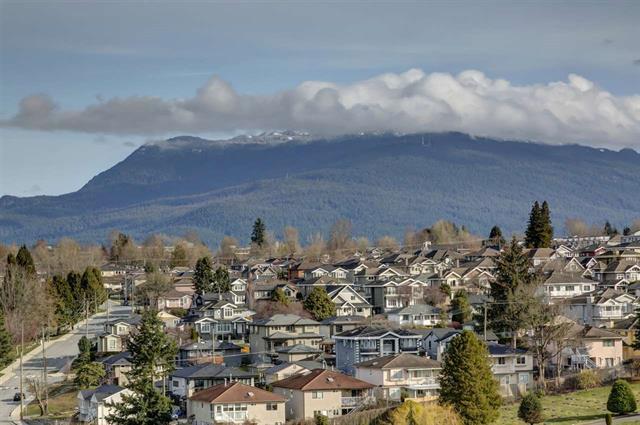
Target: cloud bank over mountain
(572,111)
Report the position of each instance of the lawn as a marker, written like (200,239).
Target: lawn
(568,409)
(62,402)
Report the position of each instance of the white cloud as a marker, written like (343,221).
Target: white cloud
(573,111)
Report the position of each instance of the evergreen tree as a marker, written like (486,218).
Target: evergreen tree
(609,230)
(221,282)
(626,231)
(507,313)
(280,297)
(466,381)
(258,235)
(530,410)
(64,301)
(84,349)
(495,235)
(25,260)
(178,257)
(534,227)
(546,235)
(6,348)
(621,399)
(74,280)
(319,304)
(203,275)
(460,307)
(151,351)
(89,375)
(91,283)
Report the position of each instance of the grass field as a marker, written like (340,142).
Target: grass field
(62,402)
(569,409)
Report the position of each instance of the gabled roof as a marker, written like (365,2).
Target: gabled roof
(496,349)
(236,393)
(212,371)
(298,349)
(404,360)
(120,359)
(374,332)
(285,320)
(590,332)
(322,379)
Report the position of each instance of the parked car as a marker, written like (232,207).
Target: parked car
(18,396)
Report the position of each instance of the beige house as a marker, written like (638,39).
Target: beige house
(401,375)
(283,330)
(603,346)
(236,403)
(116,333)
(297,352)
(170,321)
(322,392)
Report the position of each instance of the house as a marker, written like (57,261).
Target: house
(391,294)
(338,324)
(94,405)
(435,341)
(513,369)
(115,335)
(188,380)
(265,290)
(348,301)
(267,335)
(285,370)
(175,299)
(367,342)
(236,403)
(117,367)
(627,330)
(401,375)
(201,351)
(416,315)
(322,392)
(590,348)
(169,320)
(562,285)
(601,310)
(297,352)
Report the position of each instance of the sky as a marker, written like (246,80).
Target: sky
(82,84)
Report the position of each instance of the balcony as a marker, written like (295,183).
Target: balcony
(353,401)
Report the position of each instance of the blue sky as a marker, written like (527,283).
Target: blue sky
(80,55)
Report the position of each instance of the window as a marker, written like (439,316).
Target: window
(523,378)
(176,384)
(317,395)
(521,360)
(502,361)
(608,343)
(272,406)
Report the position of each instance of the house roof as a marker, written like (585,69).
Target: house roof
(590,332)
(404,360)
(236,393)
(298,348)
(120,359)
(373,331)
(321,379)
(418,309)
(104,391)
(211,371)
(285,320)
(496,349)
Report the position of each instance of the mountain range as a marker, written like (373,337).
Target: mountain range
(383,183)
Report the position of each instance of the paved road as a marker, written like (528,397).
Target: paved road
(59,356)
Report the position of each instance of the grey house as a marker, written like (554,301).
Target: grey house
(366,343)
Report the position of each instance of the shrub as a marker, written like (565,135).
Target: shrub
(607,419)
(584,380)
(411,412)
(621,399)
(321,420)
(530,410)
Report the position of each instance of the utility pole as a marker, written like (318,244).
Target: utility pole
(44,374)
(21,371)
(86,317)
(485,321)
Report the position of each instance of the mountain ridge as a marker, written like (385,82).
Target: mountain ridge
(385,183)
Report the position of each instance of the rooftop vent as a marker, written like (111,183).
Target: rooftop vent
(250,394)
(330,379)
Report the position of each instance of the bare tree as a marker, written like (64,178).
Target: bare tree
(37,387)
(228,246)
(388,243)
(156,285)
(340,235)
(291,240)
(316,247)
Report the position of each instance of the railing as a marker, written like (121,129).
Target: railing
(355,401)
(230,417)
(368,349)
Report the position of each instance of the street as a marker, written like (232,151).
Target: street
(59,354)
